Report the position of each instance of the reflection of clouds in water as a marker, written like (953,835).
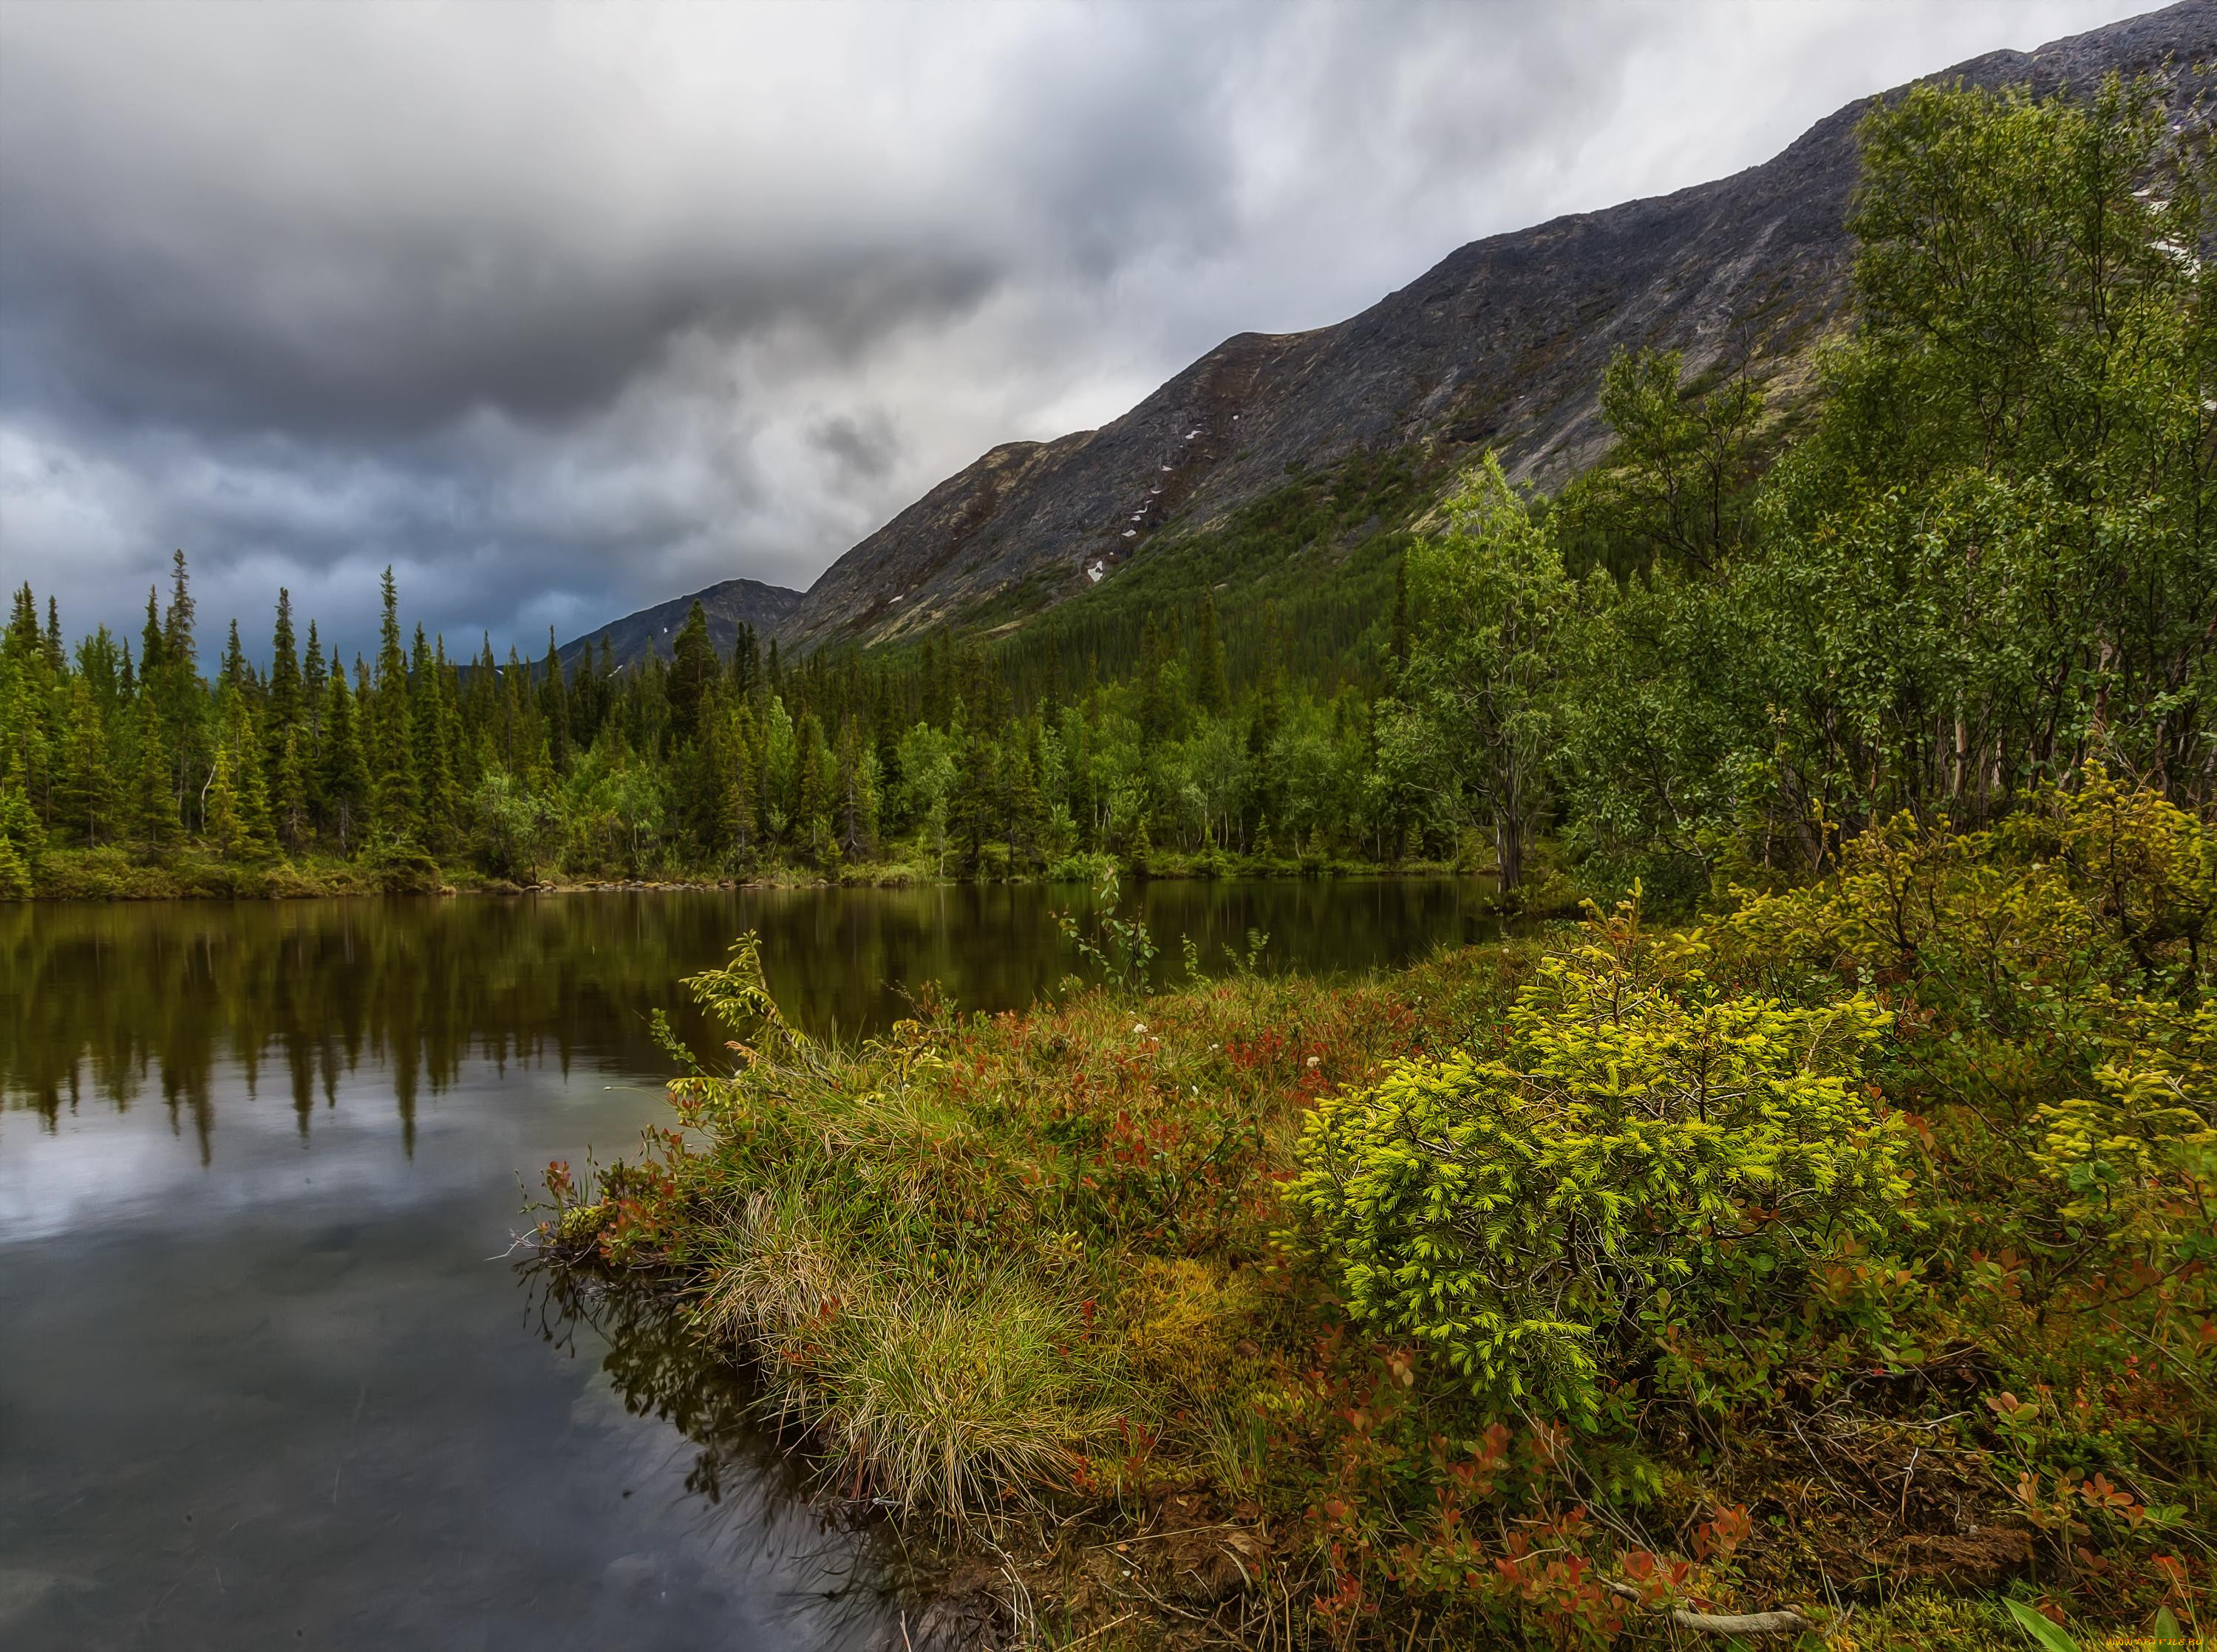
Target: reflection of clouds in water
(100,1167)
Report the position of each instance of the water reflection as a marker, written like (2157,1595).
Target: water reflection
(658,1371)
(120,1002)
(264,1380)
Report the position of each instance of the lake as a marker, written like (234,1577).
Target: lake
(269,1375)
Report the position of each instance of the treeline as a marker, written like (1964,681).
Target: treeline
(708,762)
(1983,553)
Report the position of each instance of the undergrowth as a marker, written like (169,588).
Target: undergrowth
(1836,1269)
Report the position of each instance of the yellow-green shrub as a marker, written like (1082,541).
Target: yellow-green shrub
(1649,1147)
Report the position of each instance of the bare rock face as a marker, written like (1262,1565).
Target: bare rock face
(1502,343)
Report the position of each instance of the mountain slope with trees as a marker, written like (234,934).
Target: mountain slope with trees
(1500,345)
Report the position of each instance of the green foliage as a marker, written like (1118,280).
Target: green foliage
(1471,724)
(1122,949)
(1988,559)
(1975,558)
(1650,1152)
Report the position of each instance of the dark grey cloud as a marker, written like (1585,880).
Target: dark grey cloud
(564,311)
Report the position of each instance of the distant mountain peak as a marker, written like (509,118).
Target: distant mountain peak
(733,603)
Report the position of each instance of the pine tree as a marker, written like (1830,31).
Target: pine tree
(219,811)
(392,802)
(554,707)
(291,789)
(342,772)
(281,705)
(88,799)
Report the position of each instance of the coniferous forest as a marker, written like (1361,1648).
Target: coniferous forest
(1981,552)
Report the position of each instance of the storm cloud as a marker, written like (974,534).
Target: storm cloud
(562,311)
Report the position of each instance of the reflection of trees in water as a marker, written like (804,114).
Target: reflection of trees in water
(824,1571)
(118,999)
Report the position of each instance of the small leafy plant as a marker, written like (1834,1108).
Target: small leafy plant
(1122,948)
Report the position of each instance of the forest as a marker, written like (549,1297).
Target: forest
(1980,553)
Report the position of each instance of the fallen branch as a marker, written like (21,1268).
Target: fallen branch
(1713,1623)
(1744,1623)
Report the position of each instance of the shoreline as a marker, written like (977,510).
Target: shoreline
(114,876)
(1030,1289)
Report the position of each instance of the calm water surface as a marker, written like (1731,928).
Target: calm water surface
(266,1377)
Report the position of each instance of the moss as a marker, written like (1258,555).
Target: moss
(1931,1623)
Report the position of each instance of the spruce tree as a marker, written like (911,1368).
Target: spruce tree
(221,825)
(437,808)
(233,681)
(693,668)
(554,707)
(858,797)
(813,807)
(88,799)
(970,808)
(180,699)
(392,802)
(247,777)
(742,802)
(281,705)
(291,803)
(155,819)
(341,771)
(22,640)
(313,684)
(21,840)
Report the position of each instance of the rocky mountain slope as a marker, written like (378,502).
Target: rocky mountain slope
(734,603)
(1503,342)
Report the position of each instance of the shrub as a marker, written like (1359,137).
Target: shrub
(1649,1151)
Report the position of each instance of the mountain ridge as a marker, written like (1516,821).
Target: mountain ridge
(1502,342)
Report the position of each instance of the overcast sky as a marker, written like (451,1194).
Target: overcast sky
(566,311)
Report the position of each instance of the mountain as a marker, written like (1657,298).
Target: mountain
(1502,343)
(734,603)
